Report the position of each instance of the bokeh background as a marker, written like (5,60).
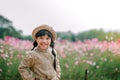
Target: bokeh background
(88,31)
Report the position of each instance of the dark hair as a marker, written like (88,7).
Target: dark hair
(42,33)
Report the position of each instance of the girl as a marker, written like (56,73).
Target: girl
(41,63)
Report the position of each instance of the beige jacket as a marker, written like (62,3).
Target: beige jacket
(38,65)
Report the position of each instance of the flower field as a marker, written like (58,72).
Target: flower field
(100,59)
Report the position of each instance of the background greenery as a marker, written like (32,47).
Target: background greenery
(8,29)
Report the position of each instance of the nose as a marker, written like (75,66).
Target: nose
(44,40)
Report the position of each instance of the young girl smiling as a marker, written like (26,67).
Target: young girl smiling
(41,63)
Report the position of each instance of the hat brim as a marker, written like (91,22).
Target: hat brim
(44,27)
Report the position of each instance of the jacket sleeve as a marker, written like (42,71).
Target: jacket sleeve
(58,69)
(24,67)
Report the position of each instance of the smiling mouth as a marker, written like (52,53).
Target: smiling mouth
(43,44)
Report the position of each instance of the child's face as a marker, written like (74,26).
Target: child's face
(43,41)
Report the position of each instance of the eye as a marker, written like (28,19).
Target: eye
(40,38)
(48,38)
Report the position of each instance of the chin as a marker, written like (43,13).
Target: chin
(45,48)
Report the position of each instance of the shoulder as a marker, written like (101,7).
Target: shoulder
(50,49)
(30,54)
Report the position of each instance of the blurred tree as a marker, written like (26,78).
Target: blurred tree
(90,34)
(4,22)
(100,34)
(67,35)
(7,29)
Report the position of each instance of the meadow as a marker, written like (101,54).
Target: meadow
(87,60)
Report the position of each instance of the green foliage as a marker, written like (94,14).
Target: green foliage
(9,62)
(100,34)
(106,66)
(90,34)
(7,29)
(9,32)
(67,35)
(100,65)
(69,70)
(4,22)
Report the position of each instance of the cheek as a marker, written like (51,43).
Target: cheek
(49,41)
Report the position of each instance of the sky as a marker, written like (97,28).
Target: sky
(62,15)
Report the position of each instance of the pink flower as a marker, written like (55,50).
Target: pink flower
(19,56)
(66,65)
(76,62)
(119,41)
(89,62)
(4,56)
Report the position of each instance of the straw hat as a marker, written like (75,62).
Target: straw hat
(44,27)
